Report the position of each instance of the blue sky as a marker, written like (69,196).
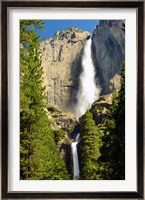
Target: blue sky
(52,26)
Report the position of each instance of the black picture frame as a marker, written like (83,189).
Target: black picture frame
(140,87)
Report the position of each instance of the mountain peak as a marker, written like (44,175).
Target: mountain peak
(70,33)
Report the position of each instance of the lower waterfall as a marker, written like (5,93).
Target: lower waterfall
(76,169)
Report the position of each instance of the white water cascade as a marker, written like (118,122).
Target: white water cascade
(76,169)
(88,91)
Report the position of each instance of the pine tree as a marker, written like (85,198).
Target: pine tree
(39,158)
(90,144)
(112,160)
(102,147)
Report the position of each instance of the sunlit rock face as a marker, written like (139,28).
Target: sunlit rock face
(61,62)
(101,107)
(108,51)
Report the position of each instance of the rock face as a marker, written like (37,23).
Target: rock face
(114,83)
(108,52)
(61,61)
(62,119)
(100,108)
(64,125)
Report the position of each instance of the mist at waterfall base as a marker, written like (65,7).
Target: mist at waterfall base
(88,91)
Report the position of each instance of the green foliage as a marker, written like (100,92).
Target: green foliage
(53,109)
(102,147)
(58,135)
(28,32)
(112,160)
(39,159)
(90,143)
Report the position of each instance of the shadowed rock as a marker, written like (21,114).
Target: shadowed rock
(108,51)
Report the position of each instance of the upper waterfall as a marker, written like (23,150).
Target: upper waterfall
(88,91)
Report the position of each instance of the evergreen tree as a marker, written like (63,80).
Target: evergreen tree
(90,144)
(38,156)
(102,147)
(112,160)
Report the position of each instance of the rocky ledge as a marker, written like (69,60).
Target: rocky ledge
(100,108)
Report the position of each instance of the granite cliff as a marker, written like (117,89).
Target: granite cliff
(61,61)
(108,52)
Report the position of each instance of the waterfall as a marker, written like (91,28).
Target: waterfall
(88,91)
(76,169)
